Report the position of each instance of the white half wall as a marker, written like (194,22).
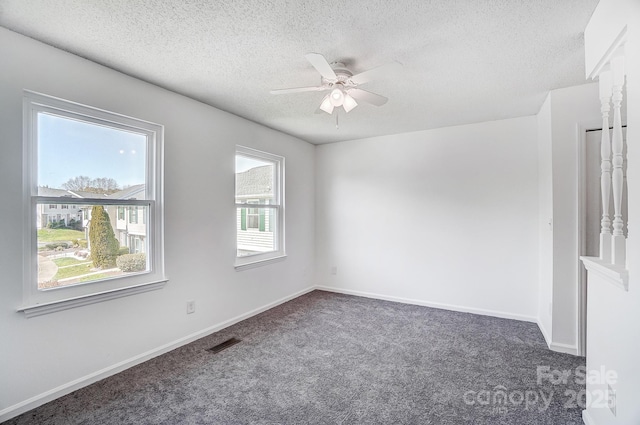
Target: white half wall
(440,217)
(46,356)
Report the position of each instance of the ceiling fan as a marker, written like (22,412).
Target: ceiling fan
(342,85)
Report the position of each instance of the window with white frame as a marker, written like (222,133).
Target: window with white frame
(259,196)
(96,156)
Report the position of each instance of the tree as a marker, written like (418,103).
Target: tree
(100,185)
(102,241)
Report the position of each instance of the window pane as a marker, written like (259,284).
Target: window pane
(254,180)
(255,230)
(89,243)
(82,159)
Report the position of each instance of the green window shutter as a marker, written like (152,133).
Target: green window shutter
(243,219)
(261,223)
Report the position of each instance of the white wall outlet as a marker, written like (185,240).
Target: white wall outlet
(191,307)
(611,399)
(334,270)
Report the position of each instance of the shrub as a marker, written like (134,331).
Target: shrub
(58,246)
(132,262)
(75,225)
(82,243)
(104,245)
(123,250)
(57,225)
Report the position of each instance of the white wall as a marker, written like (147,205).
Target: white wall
(545,220)
(613,339)
(46,354)
(443,217)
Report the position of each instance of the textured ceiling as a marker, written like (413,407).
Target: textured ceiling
(463,61)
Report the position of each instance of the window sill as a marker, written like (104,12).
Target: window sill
(616,275)
(54,306)
(248,264)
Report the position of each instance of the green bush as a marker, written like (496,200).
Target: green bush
(75,225)
(57,246)
(82,243)
(123,250)
(57,225)
(132,262)
(104,245)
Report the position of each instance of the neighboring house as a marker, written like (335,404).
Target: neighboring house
(50,213)
(255,225)
(129,222)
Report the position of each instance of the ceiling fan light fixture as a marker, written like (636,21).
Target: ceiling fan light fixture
(337,97)
(349,103)
(326,105)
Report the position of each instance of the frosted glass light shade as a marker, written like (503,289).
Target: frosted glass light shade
(336,97)
(326,105)
(349,103)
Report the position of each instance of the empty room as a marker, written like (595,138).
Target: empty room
(319,212)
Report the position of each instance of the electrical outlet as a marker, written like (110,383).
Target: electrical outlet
(611,399)
(334,270)
(191,307)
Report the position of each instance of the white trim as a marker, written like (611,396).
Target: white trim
(618,43)
(60,305)
(89,379)
(556,346)
(616,275)
(581,295)
(442,306)
(279,253)
(259,263)
(34,299)
(587,419)
(545,334)
(563,348)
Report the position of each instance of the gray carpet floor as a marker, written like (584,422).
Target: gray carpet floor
(326,358)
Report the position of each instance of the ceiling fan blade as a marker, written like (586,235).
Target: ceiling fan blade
(367,96)
(321,65)
(380,71)
(298,90)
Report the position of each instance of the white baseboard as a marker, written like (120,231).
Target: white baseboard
(84,381)
(47,396)
(564,348)
(556,346)
(545,333)
(483,312)
(587,419)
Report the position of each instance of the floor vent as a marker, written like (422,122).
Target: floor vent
(224,345)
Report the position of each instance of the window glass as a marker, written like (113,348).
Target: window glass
(93,184)
(87,159)
(259,206)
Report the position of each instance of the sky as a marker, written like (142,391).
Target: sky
(69,148)
(244,163)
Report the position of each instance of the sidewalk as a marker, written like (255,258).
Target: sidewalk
(47,269)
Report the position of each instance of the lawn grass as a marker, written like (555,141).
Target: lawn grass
(94,277)
(73,271)
(57,235)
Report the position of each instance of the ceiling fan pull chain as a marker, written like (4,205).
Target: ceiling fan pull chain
(337,120)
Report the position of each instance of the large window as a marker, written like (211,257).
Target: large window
(259,207)
(98,166)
